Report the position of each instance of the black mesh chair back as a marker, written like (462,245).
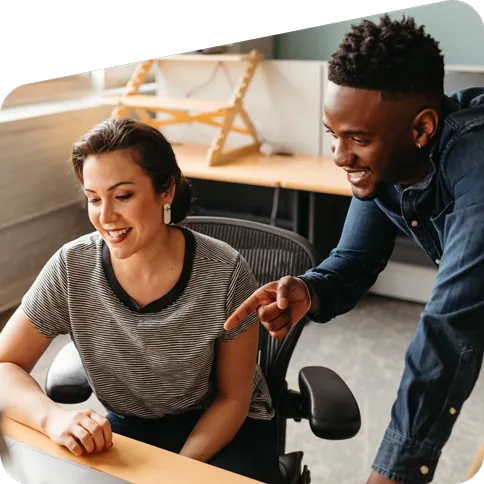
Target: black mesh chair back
(271,253)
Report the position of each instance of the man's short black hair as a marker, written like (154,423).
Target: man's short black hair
(394,57)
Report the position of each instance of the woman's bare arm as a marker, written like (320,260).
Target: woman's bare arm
(23,400)
(236,363)
(21,346)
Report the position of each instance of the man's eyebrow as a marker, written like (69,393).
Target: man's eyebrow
(112,187)
(362,132)
(352,132)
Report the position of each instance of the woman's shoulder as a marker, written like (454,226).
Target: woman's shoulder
(84,246)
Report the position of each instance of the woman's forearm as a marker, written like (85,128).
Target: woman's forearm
(22,399)
(215,429)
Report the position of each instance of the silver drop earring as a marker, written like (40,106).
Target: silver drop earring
(167,214)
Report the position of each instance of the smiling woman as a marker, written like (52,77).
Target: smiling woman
(145,302)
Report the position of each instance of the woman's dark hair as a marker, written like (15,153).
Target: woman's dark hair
(150,150)
(394,57)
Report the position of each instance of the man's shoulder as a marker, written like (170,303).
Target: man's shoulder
(464,119)
(461,142)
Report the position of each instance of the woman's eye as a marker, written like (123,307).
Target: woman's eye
(93,200)
(124,197)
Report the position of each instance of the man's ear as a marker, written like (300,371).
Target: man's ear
(425,127)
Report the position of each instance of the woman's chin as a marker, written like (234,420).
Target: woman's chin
(120,251)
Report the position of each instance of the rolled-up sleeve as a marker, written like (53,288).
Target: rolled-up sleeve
(365,245)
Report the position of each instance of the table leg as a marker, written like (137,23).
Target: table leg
(311,217)
(300,210)
(275,205)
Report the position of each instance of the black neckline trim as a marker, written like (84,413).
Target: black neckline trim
(164,301)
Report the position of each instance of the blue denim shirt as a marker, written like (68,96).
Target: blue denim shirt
(444,215)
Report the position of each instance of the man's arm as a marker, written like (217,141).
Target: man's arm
(342,279)
(444,358)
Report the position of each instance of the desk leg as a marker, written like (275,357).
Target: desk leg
(275,205)
(311,217)
(300,210)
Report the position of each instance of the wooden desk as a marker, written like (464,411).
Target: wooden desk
(300,173)
(250,169)
(131,460)
(318,174)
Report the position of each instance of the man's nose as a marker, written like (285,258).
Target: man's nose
(342,156)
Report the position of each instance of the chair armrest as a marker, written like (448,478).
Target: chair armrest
(329,404)
(66,380)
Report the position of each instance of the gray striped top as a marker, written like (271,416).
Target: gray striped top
(153,360)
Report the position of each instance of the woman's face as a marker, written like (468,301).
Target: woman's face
(123,206)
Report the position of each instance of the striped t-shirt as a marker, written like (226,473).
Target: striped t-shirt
(154,360)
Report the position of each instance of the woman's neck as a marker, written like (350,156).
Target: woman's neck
(165,251)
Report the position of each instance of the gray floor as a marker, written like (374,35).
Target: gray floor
(366,347)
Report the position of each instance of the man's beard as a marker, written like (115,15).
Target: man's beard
(374,194)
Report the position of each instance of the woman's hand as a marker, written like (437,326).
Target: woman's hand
(80,431)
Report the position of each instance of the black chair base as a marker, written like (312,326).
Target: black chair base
(290,466)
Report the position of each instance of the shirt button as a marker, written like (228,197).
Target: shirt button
(424,470)
(452,411)
(414,223)
(437,261)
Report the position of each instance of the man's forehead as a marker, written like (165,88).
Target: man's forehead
(341,99)
(350,105)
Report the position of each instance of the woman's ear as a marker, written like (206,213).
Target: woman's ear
(169,194)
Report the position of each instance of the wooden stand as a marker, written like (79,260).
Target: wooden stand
(185,110)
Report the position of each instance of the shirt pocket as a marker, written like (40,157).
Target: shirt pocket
(438,221)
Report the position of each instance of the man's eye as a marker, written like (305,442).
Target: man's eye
(360,141)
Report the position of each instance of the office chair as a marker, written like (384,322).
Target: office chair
(324,399)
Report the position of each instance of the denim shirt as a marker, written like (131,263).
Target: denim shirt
(444,215)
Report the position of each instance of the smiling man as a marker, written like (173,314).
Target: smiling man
(414,157)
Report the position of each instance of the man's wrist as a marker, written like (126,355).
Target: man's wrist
(313,297)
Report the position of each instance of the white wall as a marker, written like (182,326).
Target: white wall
(283,100)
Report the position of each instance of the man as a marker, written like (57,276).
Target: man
(415,161)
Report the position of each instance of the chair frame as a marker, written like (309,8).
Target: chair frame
(285,400)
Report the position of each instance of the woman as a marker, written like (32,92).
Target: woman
(145,303)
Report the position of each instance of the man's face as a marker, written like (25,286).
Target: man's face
(373,138)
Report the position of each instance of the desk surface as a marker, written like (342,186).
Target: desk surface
(317,174)
(131,460)
(299,172)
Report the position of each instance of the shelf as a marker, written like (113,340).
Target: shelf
(158,103)
(461,68)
